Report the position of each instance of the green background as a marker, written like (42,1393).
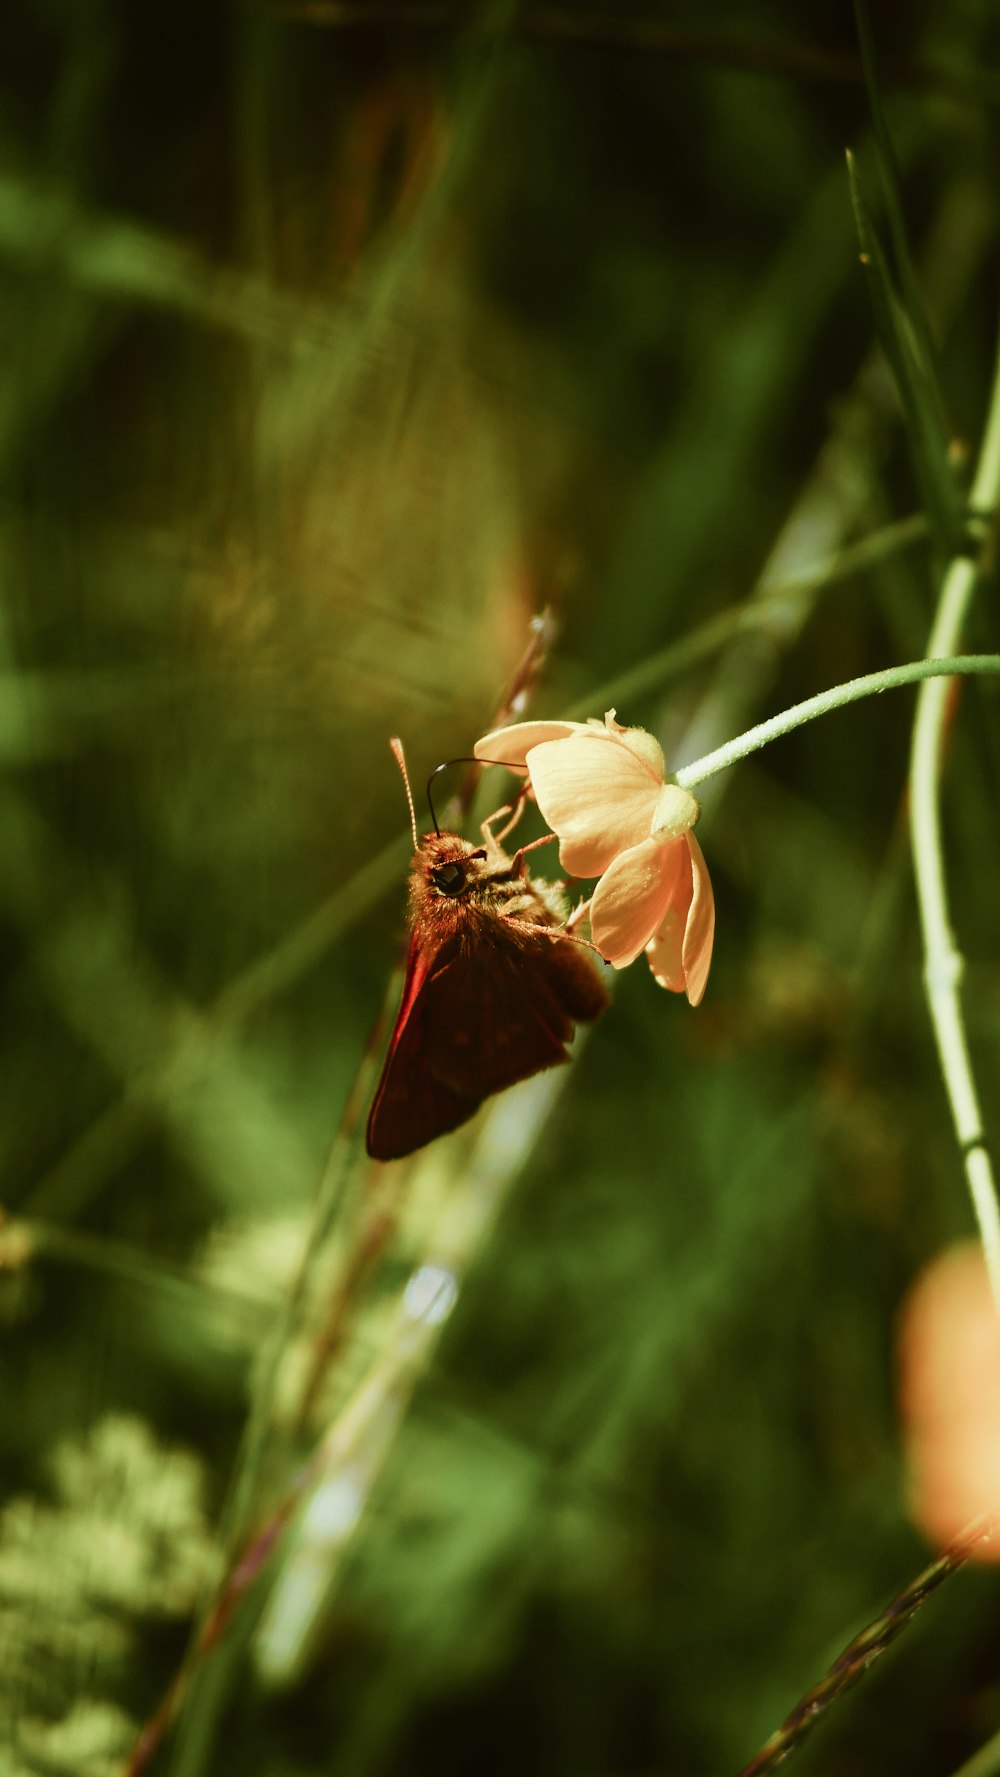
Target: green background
(335,348)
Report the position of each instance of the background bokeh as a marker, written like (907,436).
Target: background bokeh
(338,342)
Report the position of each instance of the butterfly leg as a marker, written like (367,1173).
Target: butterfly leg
(532,845)
(515,811)
(579,913)
(555,934)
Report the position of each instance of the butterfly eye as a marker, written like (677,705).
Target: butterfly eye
(449,878)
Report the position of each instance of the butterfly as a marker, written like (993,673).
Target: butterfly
(493,991)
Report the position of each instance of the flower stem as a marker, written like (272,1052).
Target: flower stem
(834,699)
(768,609)
(942,959)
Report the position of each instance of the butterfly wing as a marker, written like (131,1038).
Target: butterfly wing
(510,1006)
(495,1005)
(411,1105)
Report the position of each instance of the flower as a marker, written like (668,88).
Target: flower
(603,790)
(949,1385)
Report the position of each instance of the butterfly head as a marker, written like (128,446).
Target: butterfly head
(450,864)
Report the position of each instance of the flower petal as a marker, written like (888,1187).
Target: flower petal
(596,794)
(509,746)
(633,898)
(680,954)
(665,950)
(639,741)
(699,932)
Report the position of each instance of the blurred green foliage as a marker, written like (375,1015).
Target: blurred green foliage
(339,342)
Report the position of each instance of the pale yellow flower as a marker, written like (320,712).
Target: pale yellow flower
(602,789)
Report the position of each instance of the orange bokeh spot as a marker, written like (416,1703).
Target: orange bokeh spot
(949,1366)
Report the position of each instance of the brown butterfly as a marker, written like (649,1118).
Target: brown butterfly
(491,994)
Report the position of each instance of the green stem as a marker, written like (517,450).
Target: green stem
(942,959)
(984,1763)
(768,608)
(834,699)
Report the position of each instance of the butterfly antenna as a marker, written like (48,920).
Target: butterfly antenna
(463,759)
(400,758)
